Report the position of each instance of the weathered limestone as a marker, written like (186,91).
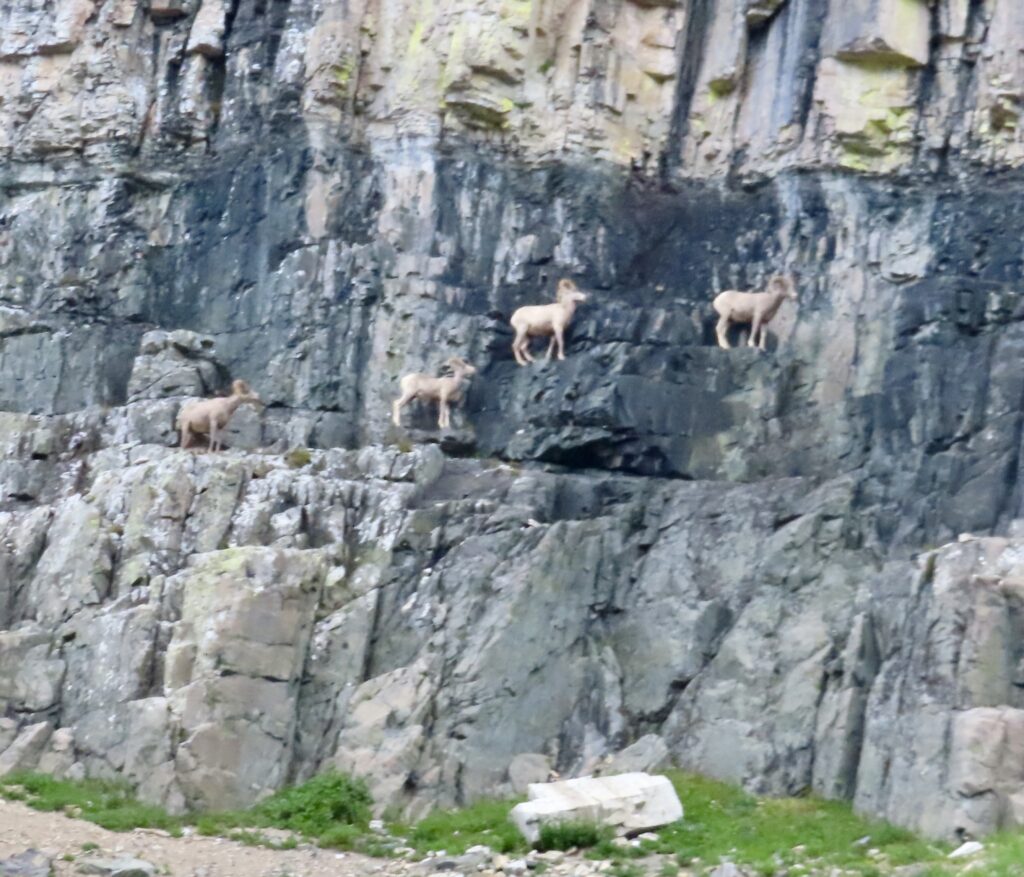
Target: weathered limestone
(75,567)
(880,32)
(31,670)
(760,11)
(207,34)
(526,769)
(59,755)
(630,803)
(647,754)
(24,752)
(961,723)
(176,363)
(233,685)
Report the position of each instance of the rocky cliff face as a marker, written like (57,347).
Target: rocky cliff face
(655,536)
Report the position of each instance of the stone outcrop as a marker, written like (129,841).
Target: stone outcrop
(655,537)
(628,803)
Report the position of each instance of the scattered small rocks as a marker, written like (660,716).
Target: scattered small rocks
(126,867)
(474,859)
(30,863)
(727,869)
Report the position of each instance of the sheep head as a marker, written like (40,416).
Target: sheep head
(569,291)
(457,364)
(241,388)
(785,284)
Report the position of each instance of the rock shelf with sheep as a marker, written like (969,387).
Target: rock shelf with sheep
(532,321)
(755,308)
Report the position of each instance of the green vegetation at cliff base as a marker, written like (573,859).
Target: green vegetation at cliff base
(769,836)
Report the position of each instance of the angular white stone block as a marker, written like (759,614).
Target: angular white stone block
(629,802)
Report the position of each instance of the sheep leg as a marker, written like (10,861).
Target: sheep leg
(560,338)
(398,405)
(444,413)
(517,347)
(212,445)
(722,331)
(764,337)
(755,330)
(186,436)
(524,348)
(551,347)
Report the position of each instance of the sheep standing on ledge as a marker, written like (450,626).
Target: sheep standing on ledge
(544,320)
(211,416)
(756,308)
(443,390)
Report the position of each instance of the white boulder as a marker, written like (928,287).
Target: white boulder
(629,802)
(971,848)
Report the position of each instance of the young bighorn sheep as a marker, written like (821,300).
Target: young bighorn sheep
(211,416)
(756,308)
(544,320)
(445,391)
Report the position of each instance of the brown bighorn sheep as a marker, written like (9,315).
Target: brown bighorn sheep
(756,308)
(212,415)
(444,390)
(543,320)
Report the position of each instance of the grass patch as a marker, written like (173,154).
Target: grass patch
(109,804)
(331,809)
(768,834)
(764,836)
(455,831)
(1004,856)
(569,835)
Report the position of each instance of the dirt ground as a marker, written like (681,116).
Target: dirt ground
(57,836)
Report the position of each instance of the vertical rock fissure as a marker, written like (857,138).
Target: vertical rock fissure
(698,19)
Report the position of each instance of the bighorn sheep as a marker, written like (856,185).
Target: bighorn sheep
(444,390)
(543,320)
(212,415)
(756,308)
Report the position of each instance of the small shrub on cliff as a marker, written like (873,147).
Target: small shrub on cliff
(315,807)
(567,835)
(332,809)
(296,458)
